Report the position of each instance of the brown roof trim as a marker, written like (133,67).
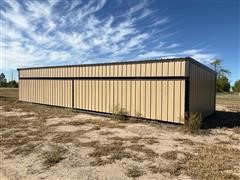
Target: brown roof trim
(201,65)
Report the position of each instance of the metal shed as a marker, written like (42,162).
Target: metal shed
(163,89)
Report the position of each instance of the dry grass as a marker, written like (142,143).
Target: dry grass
(64,137)
(53,156)
(185,141)
(40,111)
(236,130)
(133,139)
(231,101)
(134,172)
(9,93)
(112,152)
(24,150)
(116,150)
(22,137)
(136,139)
(208,162)
(120,114)
(70,137)
(12,122)
(91,144)
(173,169)
(149,153)
(14,142)
(150,141)
(213,162)
(193,123)
(234,138)
(172,155)
(105,133)
(103,123)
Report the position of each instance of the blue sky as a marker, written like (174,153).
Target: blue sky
(57,32)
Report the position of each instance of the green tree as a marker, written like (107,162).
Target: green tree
(12,83)
(3,80)
(222,82)
(216,63)
(236,86)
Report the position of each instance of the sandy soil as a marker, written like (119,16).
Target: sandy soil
(100,148)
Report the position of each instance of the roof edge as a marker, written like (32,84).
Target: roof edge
(151,60)
(201,65)
(128,62)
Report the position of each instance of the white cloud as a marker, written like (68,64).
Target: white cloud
(137,7)
(41,34)
(197,54)
(75,40)
(160,22)
(153,54)
(172,46)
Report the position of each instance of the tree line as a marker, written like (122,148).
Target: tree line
(5,83)
(222,81)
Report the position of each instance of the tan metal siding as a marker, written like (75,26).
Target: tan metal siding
(171,68)
(51,92)
(201,90)
(144,97)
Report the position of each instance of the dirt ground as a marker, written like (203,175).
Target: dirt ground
(43,142)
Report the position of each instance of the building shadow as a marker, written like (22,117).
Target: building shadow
(222,119)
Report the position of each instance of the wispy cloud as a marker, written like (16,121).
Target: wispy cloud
(198,54)
(67,32)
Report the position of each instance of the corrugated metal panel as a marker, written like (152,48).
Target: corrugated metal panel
(171,68)
(156,99)
(201,90)
(51,92)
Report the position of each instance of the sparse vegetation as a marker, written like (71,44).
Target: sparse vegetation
(24,150)
(213,162)
(149,153)
(104,133)
(27,129)
(236,130)
(185,141)
(134,171)
(192,124)
(136,139)
(119,114)
(170,155)
(53,156)
(112,152)
(138,115)
(174,169)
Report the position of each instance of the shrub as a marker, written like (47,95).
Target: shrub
(54,156)
(120,114)
(134,172)
(192,124)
